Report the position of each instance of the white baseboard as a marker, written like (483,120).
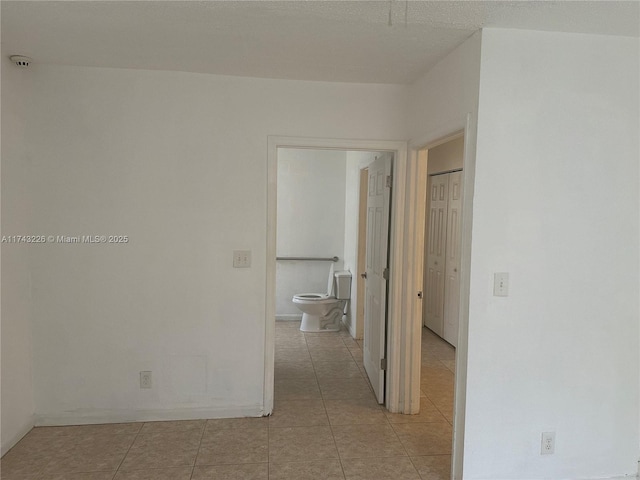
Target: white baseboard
(126,416)
(288,317)
(26,428)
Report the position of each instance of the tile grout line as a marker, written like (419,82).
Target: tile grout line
(129,449)
(195,461)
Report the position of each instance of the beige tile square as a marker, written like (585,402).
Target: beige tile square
(85,461)
(350,342)
(234,446)
(296,444)
(360,441)
(356,353)
(337,369)
(394,468)
(249,471)
(335,388)
(286,370)
(78,476)
(436,467)
(290,354)
(22,463)
(318,470)
(325,341)
(296,389)
(229,423)
(159,450)
(428,413)
(179,473)
(355,410)
(298,413)
(174,426)
(90,442)
(107,429)
(425,438)
(330,354)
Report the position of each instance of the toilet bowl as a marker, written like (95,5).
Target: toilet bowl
(322,312)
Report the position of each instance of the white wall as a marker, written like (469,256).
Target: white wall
(438,106)
(446,157)
(16,359)
(356,160)
(177,161)
(556,205)
(311,221)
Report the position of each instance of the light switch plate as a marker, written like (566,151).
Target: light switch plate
(501,284)
(241,258)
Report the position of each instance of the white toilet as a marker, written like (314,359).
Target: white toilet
(322,312)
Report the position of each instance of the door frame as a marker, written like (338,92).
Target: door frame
(397,264)
(415,211)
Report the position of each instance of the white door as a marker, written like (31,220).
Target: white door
(452,268)
(436,245)
(376,274)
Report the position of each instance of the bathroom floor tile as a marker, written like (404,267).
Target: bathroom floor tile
(319,470)
(296,444)
(337,369)
(330,354)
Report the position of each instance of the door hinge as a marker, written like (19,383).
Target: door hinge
(383,364)
(389,181)
(385,274)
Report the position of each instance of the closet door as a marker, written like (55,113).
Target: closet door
(452,267)
(434,299)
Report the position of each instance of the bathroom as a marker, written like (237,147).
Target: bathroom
(317,217)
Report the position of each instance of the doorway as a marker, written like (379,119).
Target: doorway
(276,143)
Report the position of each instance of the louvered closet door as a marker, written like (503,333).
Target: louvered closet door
(436,248)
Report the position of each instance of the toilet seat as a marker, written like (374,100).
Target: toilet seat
(315,298)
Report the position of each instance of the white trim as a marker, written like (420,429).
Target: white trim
(15,438)
(395,324)
(414,231)
(124,416)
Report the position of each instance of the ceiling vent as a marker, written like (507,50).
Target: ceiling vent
(20,60)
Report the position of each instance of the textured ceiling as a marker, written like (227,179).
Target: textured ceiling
(348,41)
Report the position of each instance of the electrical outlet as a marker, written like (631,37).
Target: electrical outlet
(145,380)
(241,258)
(548,445)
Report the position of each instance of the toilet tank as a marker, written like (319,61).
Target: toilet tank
(343,284)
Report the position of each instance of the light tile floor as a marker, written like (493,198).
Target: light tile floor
(326,425)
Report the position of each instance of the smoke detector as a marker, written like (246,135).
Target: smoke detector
(20,60)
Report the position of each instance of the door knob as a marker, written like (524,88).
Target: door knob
(363,275)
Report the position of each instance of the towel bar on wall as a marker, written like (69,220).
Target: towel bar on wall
(311,259)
